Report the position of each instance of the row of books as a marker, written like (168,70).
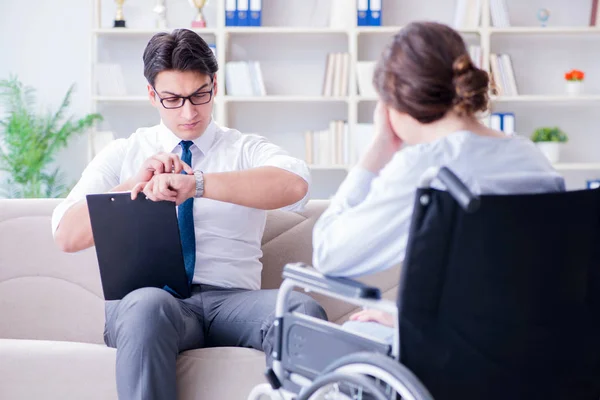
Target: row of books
(244,78)
(467,14)
(594,14)
(330,146)
(337,69)
(504,122)
(503,75)
(243,12)
(368,12)
(499,11)
(109,80)
(476,55)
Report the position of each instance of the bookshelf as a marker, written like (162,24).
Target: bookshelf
(292,53)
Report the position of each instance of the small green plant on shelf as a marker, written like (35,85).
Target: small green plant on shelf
(549,134)
(30,139)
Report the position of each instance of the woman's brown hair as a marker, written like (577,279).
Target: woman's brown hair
(426,71)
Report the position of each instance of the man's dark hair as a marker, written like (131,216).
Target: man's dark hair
(181,50)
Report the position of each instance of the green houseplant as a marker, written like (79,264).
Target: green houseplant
(29,141)
(549,141)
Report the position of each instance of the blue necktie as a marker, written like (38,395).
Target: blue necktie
(185,218)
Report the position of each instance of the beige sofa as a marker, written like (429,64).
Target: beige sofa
(52,313)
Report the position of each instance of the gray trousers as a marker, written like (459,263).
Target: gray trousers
(149,327)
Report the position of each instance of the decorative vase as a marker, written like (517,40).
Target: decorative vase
(551,150)
(574,88)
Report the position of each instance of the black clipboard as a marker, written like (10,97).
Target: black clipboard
(137,244)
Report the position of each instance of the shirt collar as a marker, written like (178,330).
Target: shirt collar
(169,141)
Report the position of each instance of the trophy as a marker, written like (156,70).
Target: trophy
(543,14)
(119,18)
(199,22)
(161,14)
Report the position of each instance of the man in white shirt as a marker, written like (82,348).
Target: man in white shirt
(222,182)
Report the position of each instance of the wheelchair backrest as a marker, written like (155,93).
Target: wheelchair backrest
(504,302)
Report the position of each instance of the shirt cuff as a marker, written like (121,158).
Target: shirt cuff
(355,187)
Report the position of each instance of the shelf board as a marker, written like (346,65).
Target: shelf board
(141,32)
(577,166)
(395,29)
(557,166)
(234,99)
(549,30)
(545,98)
(283,29)
(367,98)
(329,167)
(323,99)
(287,99)
(121,99)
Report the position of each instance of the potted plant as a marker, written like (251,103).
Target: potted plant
(29,141)
(574,80)
(549,141)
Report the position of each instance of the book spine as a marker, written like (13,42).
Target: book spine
(230,12)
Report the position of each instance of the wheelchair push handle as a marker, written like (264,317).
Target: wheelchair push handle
(457,189)
(461,193)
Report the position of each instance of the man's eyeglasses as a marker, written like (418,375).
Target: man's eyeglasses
(196,99)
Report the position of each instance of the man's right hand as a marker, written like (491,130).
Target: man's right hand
(159,164)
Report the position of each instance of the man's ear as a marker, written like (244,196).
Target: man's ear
(215,85)
(152,96)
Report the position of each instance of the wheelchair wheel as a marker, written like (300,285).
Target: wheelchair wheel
(338,386)
(376,368)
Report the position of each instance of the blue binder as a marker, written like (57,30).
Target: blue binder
(231,13)
(255,12)
(362,12)
(375,12)
(242,13)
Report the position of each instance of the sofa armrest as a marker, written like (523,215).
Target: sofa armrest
(313,280)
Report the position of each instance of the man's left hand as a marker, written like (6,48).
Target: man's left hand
(170,187)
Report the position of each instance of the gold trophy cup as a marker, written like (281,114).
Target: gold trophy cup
(119,18)
(199,22)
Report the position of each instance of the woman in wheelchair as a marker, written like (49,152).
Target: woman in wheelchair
(507,344)
(430,94)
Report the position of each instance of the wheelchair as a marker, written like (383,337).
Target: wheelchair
(499,298)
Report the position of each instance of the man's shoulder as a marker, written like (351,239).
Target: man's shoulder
(144,134)
(234,137)
(119,147)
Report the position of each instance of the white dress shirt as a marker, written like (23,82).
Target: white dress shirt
(228,236)
(365,229)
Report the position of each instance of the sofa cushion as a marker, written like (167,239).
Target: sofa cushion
(44,293)
(39,369)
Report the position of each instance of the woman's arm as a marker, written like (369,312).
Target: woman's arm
(365,228)
(353,240)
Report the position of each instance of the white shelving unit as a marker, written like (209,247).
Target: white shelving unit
(293,62)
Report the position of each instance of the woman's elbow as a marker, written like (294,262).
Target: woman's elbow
(323,262)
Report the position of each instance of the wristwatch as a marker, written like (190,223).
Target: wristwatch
(199,183)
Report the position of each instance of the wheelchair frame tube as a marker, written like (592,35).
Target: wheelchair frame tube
(383,305)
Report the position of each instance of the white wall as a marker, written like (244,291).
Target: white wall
(50,51)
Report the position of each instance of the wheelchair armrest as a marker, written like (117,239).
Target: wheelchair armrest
(311,279)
